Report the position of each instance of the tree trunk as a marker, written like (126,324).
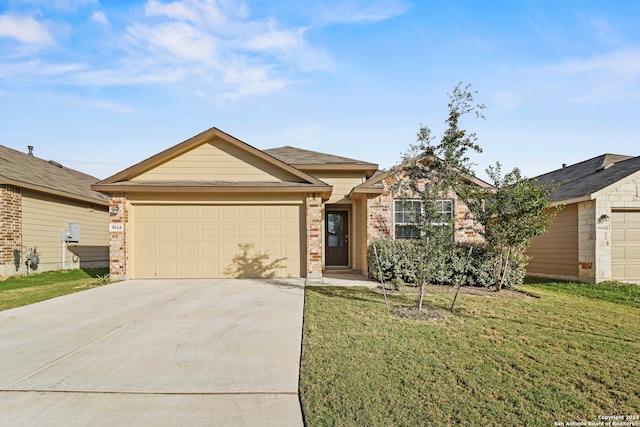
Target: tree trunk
(504,269)
(420,296)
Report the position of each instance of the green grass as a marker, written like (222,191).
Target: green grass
(496,361)
(621,293)
(17,291)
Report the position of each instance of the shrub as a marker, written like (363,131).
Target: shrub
(397,264)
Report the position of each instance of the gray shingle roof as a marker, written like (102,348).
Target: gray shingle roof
(22,170)
(298,156)
(587,177)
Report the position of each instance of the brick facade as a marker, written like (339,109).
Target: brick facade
(10,225)
(380,220)
(119,216)
(313,207)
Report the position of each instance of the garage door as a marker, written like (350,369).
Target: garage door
(210,241)
(625,245)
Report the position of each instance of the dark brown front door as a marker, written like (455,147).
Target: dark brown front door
(337,238)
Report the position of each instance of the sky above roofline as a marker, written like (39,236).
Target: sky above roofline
(100,86)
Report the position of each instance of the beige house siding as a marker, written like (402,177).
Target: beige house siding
(216,161)
(342,182)
(45,216)
(555,253)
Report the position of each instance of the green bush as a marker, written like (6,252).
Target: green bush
(397,258)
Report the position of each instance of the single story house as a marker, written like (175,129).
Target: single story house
(40,199)
(214,206)
(596,236)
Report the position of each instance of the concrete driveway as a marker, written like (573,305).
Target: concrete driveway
(156,353)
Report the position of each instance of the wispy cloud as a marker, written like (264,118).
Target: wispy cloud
(620,62)
(100,18)
(342,12)
(26,30)
(217,49)
(600,77)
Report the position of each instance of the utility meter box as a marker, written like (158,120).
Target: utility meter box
(72,234)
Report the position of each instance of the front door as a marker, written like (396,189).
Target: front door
(337,238)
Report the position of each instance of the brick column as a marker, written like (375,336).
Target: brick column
(314,235)
(587,250)
(379,217)
(10,227)
(118,239)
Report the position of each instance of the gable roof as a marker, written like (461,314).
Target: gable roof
(314,160)
(375,184)
(122,181)
(26,171)
(583,180)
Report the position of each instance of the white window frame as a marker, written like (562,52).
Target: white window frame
(414,234)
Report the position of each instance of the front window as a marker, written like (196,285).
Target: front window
(409,213)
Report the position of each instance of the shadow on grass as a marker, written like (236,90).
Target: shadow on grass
(94,273)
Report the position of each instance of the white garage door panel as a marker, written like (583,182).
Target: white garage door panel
(625,245)
(173,241)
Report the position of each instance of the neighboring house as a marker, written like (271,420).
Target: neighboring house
(39,200)
(214,206)
(596,237)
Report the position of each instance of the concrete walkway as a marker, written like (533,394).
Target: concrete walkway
(156,353)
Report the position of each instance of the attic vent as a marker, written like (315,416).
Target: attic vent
(56,164)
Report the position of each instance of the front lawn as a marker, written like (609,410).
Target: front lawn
(17,291)
(560,357)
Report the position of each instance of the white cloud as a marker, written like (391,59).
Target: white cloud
(25,29)
(620,62)
(216,48)
(100,18)
(365,12)
(178,39)
(37,68)
(179,10)
(277,40)
(609,76)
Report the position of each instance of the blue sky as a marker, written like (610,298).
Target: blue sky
(100,86)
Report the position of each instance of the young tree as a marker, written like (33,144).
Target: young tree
(432,171)
(517,210)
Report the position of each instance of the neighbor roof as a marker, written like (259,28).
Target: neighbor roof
(584,179)
(307,159)
(26,171)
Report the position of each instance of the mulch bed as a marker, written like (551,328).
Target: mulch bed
(428,313)
(464,290)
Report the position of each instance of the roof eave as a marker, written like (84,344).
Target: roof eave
(359,191)
(573,200)
(368,169)
(140,188)
(46,190)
